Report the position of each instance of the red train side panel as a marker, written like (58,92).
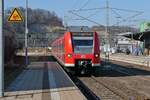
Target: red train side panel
(69,59)
(96,60)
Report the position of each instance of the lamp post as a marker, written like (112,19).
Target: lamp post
(1,50)
(26,34)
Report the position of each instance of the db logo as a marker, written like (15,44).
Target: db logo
(82,56)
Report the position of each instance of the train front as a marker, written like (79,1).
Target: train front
(85,56)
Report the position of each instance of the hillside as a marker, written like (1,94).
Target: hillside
(40,22)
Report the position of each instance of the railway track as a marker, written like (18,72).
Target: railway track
(131,72)
(139,78)
(115,87)
(94,89)
(103,91)
(88,93)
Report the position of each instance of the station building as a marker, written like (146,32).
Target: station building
(143,35)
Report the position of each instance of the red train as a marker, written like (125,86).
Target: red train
(77,51)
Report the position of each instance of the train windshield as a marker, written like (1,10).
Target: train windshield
(83,44)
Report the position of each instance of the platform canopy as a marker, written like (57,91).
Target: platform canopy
(141,36)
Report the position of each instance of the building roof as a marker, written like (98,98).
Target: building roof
(126,33)
(138,36)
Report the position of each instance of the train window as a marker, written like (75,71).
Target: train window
(83,46)
(83,42)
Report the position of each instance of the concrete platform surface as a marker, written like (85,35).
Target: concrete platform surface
(138,60)
(43,81)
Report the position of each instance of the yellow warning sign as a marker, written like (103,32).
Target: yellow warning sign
(15,16)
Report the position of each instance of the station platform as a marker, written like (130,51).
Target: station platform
(138,60)
(43,81)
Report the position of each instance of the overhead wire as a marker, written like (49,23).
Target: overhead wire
(116,13)
(84,18)
(74,5)
(86,3)
(127,10)
(114,10)
(130,17)
(79,10)
(91,15)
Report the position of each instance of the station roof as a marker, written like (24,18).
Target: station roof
(126,33)
(137,36)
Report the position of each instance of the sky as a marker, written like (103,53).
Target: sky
(61,8)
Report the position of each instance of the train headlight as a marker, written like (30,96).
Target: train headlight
(96,55)
(69,55)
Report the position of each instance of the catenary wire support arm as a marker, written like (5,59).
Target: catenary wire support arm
(91,15)
(84,18)
(90,9)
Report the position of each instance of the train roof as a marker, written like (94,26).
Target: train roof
(79,29)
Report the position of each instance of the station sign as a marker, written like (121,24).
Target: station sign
(15,16)
(145,26)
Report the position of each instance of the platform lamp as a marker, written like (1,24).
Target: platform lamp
(26,34)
